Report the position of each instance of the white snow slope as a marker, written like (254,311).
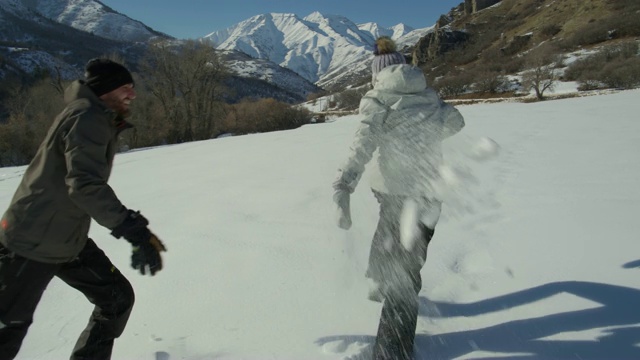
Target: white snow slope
(536,255)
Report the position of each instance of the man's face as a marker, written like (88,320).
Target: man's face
(119,99)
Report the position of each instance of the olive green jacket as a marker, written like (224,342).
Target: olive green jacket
(65,186)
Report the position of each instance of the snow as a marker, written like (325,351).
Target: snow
(563,87)
(535,255)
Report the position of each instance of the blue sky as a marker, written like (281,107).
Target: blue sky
(196,18)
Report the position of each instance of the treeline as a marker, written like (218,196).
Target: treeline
(181,97)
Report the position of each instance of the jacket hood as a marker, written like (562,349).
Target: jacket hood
(78,90)
(402,78)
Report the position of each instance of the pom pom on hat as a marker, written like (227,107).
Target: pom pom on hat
(104,75)
(384,45)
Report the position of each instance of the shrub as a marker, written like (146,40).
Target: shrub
(512,65)
(550,30)
(616,66)
(264,115)
(621,25)
(586,85)
(315,96)
(589,34)
(350,99)
(627,24)
(453,85)
(490,82)
(621,73)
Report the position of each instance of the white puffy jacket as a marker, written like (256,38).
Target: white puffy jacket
(406,122)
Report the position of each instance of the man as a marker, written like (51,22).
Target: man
(44,233)
(406,122)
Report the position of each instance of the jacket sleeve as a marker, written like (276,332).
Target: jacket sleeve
(364,144)
(85,150)
(453,120)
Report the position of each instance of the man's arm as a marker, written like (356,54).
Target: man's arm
(85,151)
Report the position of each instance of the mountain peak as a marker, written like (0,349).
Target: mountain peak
(314,16)
(90,16)
(319,47)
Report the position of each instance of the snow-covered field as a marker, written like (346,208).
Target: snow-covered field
(536,255)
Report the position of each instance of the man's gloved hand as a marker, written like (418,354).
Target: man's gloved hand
(343,215)
(147,255)
(146,246)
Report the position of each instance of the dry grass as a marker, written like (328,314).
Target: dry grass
(513,18)
(504,38)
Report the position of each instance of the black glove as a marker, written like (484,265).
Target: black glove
(147,254)
(146,246)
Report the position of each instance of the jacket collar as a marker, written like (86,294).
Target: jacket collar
(79,90)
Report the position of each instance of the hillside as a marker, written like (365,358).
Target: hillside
(514,36)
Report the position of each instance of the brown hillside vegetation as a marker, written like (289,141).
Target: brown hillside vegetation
(558,19)
(515,35)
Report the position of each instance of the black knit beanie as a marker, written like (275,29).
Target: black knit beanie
(104,75)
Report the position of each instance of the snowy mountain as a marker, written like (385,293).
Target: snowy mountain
(325,49)
(319,51)
(394,32)
(261,78)
(90,16)
(60,36)
(31,41)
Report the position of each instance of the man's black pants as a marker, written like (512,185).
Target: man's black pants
(397,271)
(22,282)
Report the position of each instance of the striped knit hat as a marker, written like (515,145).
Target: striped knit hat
(385,55)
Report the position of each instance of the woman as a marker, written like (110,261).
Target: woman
(406,122)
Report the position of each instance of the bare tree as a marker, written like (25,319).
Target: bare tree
(31,111)
(542,75)
(57,82)
(187,80)
(540,79)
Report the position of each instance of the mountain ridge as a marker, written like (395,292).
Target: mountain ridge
(93,17)
(329,51)
(324,49)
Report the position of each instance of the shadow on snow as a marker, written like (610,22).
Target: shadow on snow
(619,308)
